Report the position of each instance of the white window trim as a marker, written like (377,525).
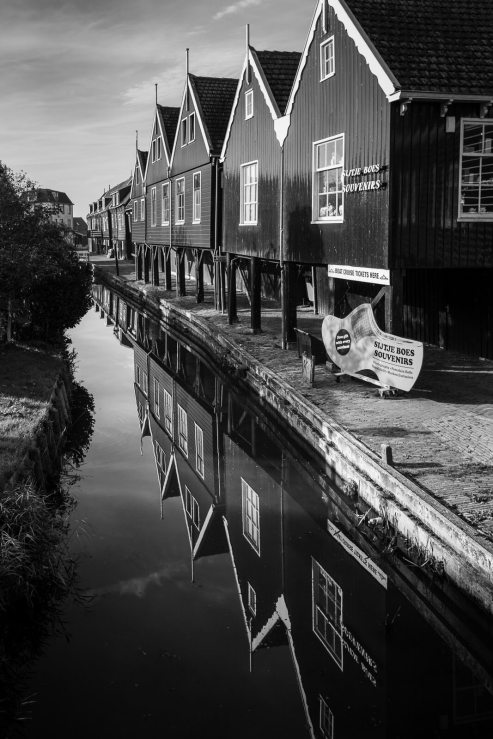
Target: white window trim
(338,657)
(471,217)
(249,97)
(160,456)
(192,115)
(142,208)
(157,411)
(242,196)
(245,490)
(183,132)
(168,417)
(252,600)
(136,211)
(195,219)
(323,46)
(199,446)
(325,709)
(332,219)
(153,206)
(165,222)
(192,508)
(182,417)
(177,219)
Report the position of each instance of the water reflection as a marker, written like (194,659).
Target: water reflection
(379,647)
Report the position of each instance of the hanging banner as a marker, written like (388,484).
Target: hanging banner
(356,343)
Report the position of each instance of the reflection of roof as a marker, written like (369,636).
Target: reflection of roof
(169,122)
(44,195)
(280,69)
(215,96)
(432,45)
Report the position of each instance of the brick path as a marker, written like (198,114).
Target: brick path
(441,433)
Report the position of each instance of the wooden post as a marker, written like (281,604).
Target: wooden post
(255,285)
(199,275)
(180,273)
(167,269)
(232,314)
(331,296)
(146,263)
(155,265)
(393,303)
(138,262)
(315,290)
(288,303)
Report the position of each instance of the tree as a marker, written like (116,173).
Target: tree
(42,281)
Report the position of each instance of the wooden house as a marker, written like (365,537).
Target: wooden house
(388,166)
(252,167)
(119,235)
(196,203)
(138,205)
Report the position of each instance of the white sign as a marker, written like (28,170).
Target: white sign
(360,274)
(356,343)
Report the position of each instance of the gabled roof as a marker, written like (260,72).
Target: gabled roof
(141,161)
(44,195)
(214,98)
(279,68)
(169,121)
(119,187)
(432,45)
(80,225)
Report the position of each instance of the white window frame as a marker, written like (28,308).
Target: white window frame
(327,59)
(247,191)
(136,211)
(160,456)
(142,208)
(137,175)
(252,600)
(168,412)
(192,508)
(178,197)
(470,188)
(182,429)
(157,411)
(153,206)
(199,451)
(191,128)
(165,199)
(250,509)
(326,719)
(197,197)
(316,217)
(183,132)
(327,610)
(248,104)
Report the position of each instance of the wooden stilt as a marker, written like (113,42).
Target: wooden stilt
(255,285)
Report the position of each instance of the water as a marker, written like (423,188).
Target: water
(230,594)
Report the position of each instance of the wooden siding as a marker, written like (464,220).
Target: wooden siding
(158,234)
(138,227)
(197,414)
(424,191)
(352,103)
(193,154)
(195,235)
(252,140)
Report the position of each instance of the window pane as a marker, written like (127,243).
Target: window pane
(473,137)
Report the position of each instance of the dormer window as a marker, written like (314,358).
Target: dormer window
(184,132)
(191,128)
(248,104)
(327,68)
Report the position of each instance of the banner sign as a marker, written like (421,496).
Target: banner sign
(360,274)
(356,343)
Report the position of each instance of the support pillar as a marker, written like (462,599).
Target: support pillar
(288,303)
(167,269)
(155,265)
(146,251)
(331,298)
(138,261)
(180,273)
(232,314)
(393,303)
(255,285)
(199,275)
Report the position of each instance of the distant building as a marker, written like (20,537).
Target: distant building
(58,204)
(80,233)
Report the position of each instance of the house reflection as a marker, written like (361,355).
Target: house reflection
(376,650)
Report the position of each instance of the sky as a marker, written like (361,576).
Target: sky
(77,77)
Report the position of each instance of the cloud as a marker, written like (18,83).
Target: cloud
(230,9)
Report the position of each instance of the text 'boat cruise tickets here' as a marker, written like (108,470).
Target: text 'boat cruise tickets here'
(355,343)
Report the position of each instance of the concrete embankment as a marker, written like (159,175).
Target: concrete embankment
(447,545)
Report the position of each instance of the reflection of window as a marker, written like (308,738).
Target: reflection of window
(249,193)
(160,456)
(328,161)
(327,611)
(183,430)
(248,104)
(476,195)
(252,600)
(197,197)
(199,450)
(168,412)
(326,719)
(165,205)
(180,200)
(141,378)
(251,515)
(153,206)
(327,59)
(192,508)
(156,398)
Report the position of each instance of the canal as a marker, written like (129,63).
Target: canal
(227,591)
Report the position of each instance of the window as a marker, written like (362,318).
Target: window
(180,200)
(326,719)
(153,206)
(120,220)
(156,398)
(192,508)
(141,378)
(476,170)
(183,430)
(327,611)
(328,161)
(184,132)
(249,193)
(248,104)
(251,515)
(137,175)
(196,197)
(156,149)
(191,127)
(142,208)
(160,456)
(327,59)
(199,450)
(252,600)
(168,412)
(165,205)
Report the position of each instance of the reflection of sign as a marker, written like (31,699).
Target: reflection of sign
(360,274)
(395,361)
(358,554)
